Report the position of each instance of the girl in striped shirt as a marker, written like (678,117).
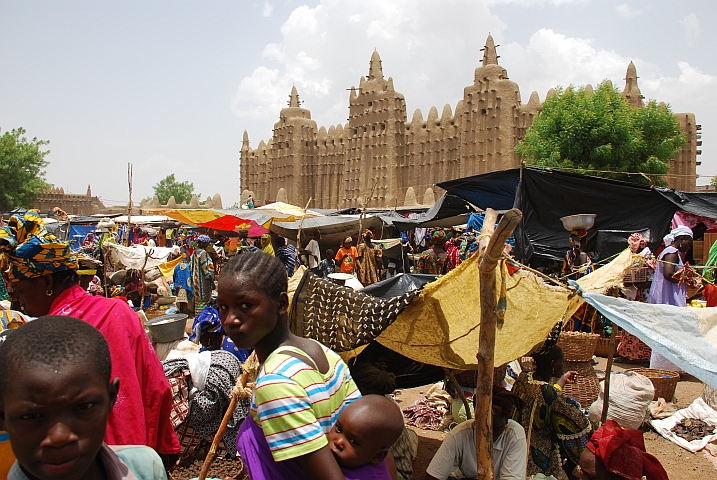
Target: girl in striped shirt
(302,386)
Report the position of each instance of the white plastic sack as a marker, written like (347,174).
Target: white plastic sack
(699,409)
(630,395)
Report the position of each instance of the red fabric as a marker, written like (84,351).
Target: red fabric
(623,453)
(710,294)
(141,415)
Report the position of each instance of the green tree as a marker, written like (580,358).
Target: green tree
(22,165)
(600,134)
(170,187)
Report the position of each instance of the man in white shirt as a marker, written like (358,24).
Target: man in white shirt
(313,252)
(390,272)
(456,457)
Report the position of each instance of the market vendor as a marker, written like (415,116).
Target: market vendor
(665,288)
(577,261)
(42,270)
(202,273)
(433,261)
(347,257)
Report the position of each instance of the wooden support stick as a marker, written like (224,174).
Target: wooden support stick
(608,370)
(452,377)
(243,380)
(495,241)
(301,226)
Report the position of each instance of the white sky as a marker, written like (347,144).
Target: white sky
(170,86)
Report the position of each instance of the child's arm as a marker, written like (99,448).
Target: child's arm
(321,465)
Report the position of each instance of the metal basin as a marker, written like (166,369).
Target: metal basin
(167,328)
(582,221)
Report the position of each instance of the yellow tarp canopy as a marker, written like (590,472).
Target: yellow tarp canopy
(194,216)
(441,325)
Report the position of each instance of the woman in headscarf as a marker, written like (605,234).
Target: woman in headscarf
(616,453)
(559,429)
(665,288)
(370,256)
(266,244)
(202,272)
(433,261)
(577,262)
(42,270)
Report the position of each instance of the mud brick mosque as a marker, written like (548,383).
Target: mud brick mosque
(380,151)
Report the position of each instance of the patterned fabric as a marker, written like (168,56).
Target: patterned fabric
(576,272)
(3,288)
(32,251)
(631,348)
(296,405)
(453,254)
(327,267)
(182,279)
(431,263)
(206,321)
(370,257)
(202,272)
(559,427)
(200,421)
(340,318)
(287,255)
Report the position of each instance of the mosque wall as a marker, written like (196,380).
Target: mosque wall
(380,154)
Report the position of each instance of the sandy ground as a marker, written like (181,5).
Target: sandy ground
(679,463)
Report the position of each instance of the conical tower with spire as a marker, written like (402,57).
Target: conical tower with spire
(632,92)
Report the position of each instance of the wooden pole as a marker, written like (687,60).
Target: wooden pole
(491,249)
(129,205)
(608,370)
(301,225)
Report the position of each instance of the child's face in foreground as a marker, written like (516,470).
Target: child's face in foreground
(246,311)
(353,443)
(56,418)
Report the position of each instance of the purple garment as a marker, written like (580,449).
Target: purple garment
(260,465)
(662,290)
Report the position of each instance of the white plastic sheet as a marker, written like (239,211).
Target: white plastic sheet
(698,409)
(139,256)
(685,336)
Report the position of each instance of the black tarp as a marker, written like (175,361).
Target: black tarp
(546,195)
(494,190)
(398,285)
(449,210)
(703,204)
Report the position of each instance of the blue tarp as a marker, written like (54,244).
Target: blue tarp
(685,336)
(82,231)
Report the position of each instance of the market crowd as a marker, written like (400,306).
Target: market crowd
(84,394)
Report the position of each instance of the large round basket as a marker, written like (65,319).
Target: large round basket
(469,378)
(664,381)
(578,346)
(602,347)
(587,386)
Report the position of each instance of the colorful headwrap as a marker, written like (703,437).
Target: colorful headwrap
(438,236)
(348,239)
(623,453)
(204,238)
(31,250)
(577,235)
(368,233)
(206,321)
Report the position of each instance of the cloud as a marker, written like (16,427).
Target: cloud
(430,48)
(626,11)
(268,9)
(692,28)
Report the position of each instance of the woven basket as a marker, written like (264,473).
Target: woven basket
(602,347)
(638,275)
(664,381)
(587,386)
(469,378)
(578,346)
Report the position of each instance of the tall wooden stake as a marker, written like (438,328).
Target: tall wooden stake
(608,371)
(491,249)
(129,206)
